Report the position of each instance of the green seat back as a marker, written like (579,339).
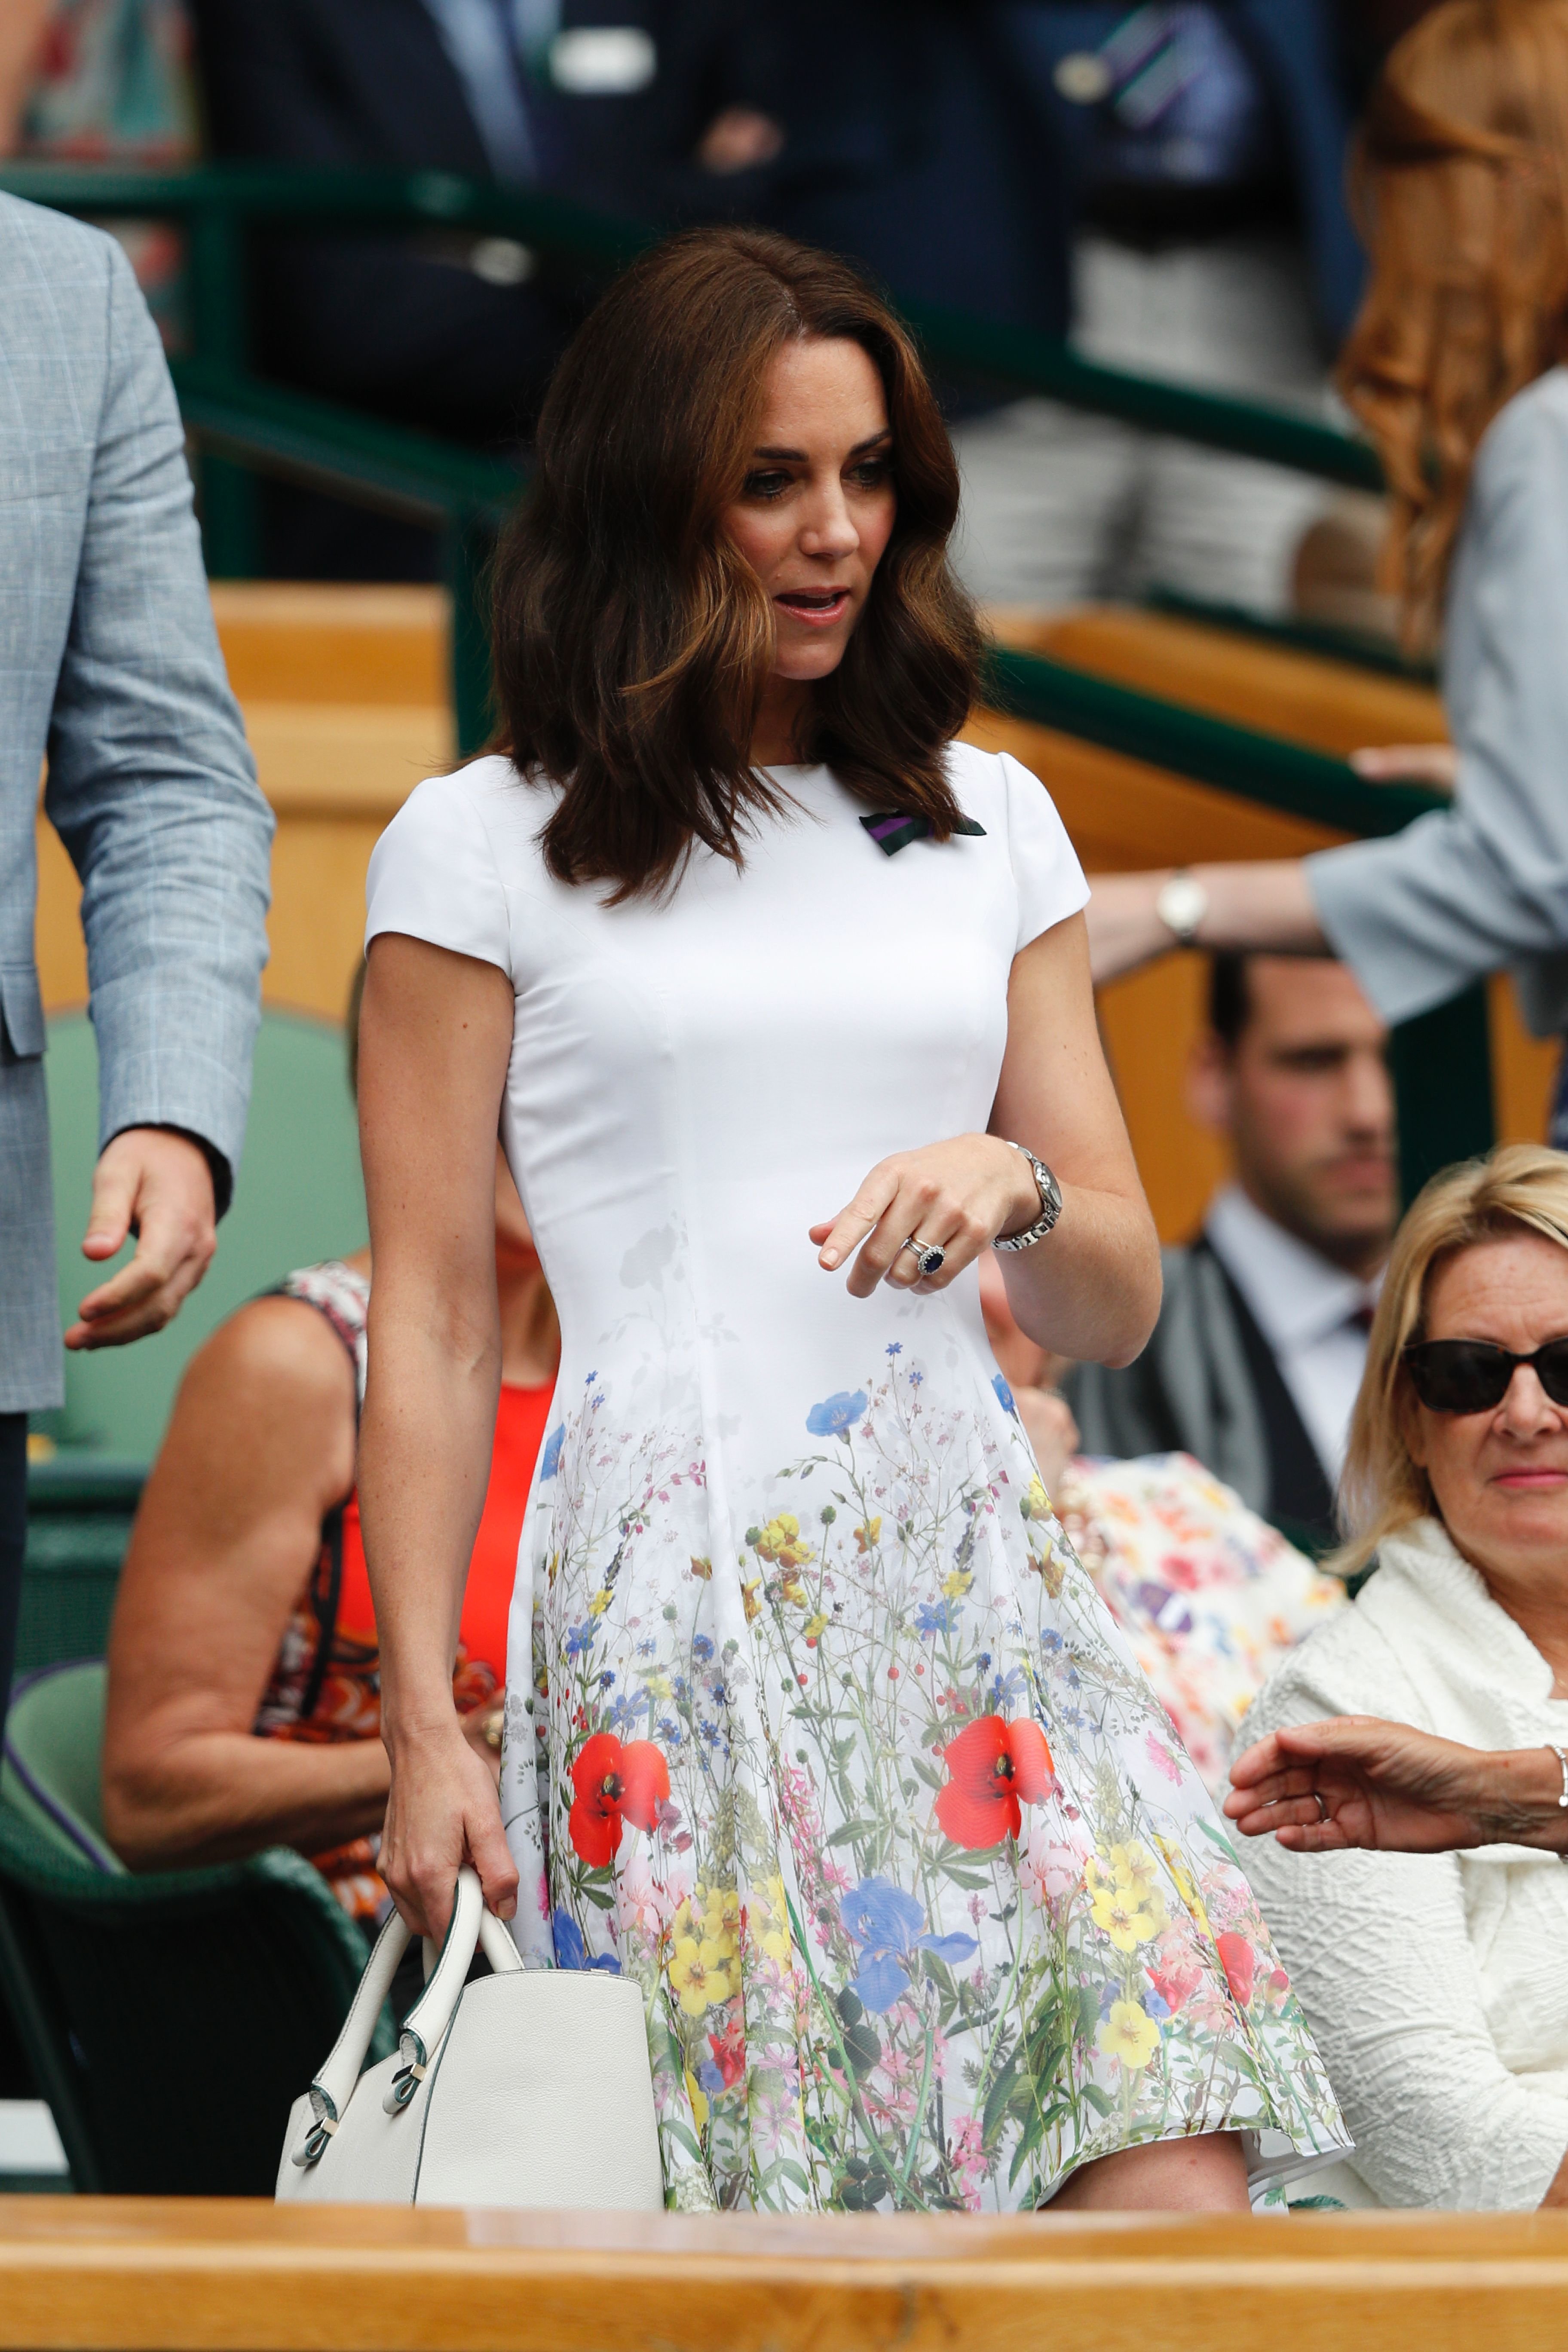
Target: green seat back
(79,1509)
(53,1749)
(172,2021)
(298,1198)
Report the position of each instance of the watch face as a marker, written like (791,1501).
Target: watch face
(1052,1190)
(1182,905)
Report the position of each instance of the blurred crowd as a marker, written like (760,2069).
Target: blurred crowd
(1165,181)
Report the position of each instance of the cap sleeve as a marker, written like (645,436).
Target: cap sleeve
(433,876)
(1045,870)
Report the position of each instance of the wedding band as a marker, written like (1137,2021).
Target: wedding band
(930,1257)
(1323,1813)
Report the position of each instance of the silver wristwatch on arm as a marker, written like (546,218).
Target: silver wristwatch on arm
(1050,1204)
(1181,906)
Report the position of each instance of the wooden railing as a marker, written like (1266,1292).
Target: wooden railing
(142,2275)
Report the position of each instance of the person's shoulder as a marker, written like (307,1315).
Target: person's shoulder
(48,252)
(1528,431)
(983,780)
(280,1353)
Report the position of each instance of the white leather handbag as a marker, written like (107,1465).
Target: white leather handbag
(528,2087)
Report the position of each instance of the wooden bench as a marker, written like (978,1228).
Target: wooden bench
(143,2275)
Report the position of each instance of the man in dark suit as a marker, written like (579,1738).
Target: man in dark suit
(456,334)
(1258,1355)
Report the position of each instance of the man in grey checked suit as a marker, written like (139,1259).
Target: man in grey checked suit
(110,669)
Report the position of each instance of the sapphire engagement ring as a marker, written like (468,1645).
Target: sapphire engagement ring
(930,1257)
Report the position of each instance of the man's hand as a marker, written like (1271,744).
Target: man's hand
(156,1184)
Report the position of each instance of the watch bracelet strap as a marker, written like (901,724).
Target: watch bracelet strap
(1049,1213)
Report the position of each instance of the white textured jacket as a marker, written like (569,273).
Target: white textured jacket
(1436,1985)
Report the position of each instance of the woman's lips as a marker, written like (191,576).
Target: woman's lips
(1529,1481)
(817,608)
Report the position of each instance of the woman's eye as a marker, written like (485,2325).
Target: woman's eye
(767,485)
(871,474)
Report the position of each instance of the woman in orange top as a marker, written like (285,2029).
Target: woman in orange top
(243,1608)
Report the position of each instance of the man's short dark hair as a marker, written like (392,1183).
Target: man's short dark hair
(1230,997)
(1230,1005)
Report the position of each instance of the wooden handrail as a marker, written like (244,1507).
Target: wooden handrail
(130,2275)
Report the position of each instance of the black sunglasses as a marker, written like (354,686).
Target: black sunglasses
(1473,1376)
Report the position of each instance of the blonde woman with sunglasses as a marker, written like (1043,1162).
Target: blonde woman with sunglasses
(1432,1976)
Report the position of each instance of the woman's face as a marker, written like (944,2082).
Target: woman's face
(818,503)
(1501,1478)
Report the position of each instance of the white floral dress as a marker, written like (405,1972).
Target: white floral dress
(815,1726)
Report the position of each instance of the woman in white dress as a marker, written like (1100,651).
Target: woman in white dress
(815,1725)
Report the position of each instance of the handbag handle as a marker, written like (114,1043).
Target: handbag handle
(471,1922)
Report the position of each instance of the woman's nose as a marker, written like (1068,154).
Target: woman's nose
(828,528)
(1526,1407)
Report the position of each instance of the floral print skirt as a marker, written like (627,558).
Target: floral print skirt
(926,1902)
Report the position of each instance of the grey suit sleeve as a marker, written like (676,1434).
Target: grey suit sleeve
(151,784)
(1483,885)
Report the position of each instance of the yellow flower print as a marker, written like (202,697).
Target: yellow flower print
(600,1602)
(791,1589)
(749,1598)
(957,1583)
(1186,1885)
(867,1534)
(1037,1503)
(700,1975)
(1135,1868)
(1131,2035)
(657,1685)
(815,1627)
(770,1924)
(699,2098)
(1119,1909)
(703,1569)
(779,1542)
(720,1910)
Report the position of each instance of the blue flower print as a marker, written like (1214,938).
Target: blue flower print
(1006,1393)
(835,1414)
(571,1952)
(930,1620)
(550,1460)
(894,1348)
(580,1638)
(885,1922)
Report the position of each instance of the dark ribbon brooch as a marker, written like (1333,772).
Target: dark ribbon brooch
(898,829)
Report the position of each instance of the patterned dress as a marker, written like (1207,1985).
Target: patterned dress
(815,1726)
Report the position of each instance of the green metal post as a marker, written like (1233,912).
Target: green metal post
(469,545)
(231,532)
(1442,1066)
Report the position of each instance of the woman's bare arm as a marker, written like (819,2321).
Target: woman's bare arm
(260,1446)
(1267,907)
(434,1041)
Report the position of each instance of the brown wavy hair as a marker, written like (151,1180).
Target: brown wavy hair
(1460,185)
(632,640)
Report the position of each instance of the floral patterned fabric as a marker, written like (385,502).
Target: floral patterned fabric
(1210,1597)
(815,1726)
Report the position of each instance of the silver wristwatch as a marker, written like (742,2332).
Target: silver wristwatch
(1050,1204)
(1182,905)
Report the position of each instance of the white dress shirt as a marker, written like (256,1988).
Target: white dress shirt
(1305,1308)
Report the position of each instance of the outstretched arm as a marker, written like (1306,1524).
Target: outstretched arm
(1357,1781)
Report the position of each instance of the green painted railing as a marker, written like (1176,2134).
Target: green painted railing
(1442,1062)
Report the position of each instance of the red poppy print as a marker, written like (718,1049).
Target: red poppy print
(1238,1961)
(614,1783)
(995,1767)
(729,2049)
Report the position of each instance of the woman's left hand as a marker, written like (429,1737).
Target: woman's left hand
(959,1195)
(1355,1780)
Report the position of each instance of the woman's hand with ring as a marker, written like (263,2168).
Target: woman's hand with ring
(954,1197)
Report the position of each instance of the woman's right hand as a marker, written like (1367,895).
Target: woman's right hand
(441,1811)
(1355,1780)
